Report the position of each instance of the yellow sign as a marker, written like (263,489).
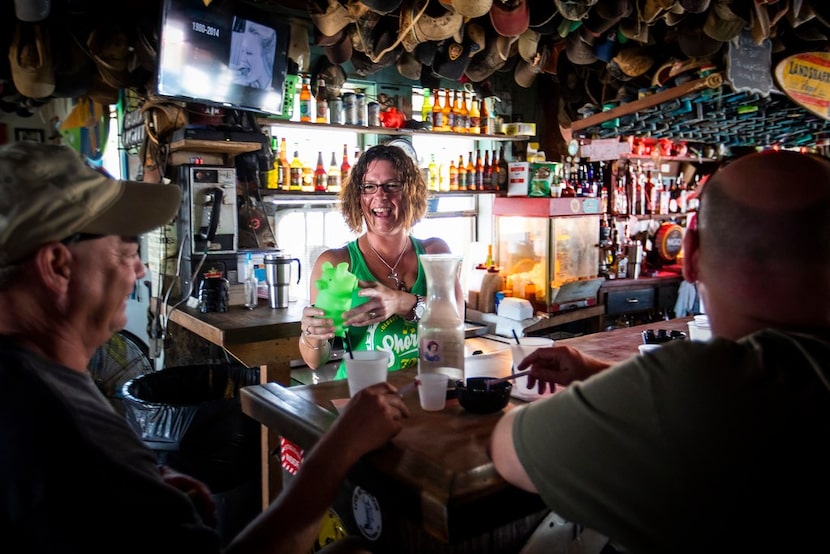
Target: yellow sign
(805,78)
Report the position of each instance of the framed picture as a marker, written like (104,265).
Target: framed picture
(31,135)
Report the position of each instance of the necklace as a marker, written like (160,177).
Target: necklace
(393,269)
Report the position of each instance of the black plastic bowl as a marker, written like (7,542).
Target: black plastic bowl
(477,397)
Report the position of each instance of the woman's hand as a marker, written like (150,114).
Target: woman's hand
(383,302)
(314,324)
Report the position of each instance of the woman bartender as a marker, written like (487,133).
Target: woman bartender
(385,196)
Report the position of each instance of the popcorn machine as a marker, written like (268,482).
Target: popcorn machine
(546,243)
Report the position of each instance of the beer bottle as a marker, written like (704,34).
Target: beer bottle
(333,177)
(464,124)
(453,176)
(462,173)
(321,102)
(320,178)
(457,113)
(273,180)
(479,174)
(502,167)
(486,181)
(446,109)
(305,100)
(471,172)
(345,167)
(426,108)
(437,112)
(296,172)
(432,169)
(475,116)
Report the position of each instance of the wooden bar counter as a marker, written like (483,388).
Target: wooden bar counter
(433,488)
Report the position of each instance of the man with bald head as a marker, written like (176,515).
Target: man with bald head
(717,446)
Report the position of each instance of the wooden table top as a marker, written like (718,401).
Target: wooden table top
(437,469)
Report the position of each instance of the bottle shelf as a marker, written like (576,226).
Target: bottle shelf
(360,129)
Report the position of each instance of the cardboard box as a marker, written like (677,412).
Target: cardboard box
(518,178)
(531,179)
(518,128)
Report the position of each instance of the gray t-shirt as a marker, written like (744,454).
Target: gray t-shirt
(698,447)
(74,477)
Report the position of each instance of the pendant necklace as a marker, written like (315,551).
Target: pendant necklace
(393,269)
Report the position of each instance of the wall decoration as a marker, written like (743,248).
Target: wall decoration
(30,135)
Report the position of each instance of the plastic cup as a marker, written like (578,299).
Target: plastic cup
(432,390)
(366,368)
(521,351)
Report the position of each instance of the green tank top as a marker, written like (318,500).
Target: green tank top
(395,335)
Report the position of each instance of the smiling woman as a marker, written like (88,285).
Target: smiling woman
(384,197)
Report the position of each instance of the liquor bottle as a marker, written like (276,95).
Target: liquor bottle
(446,109)
(308,177)
(426,107)
(333,178)
(432,170)
(502,173)
(453,176)
(479,174)
(321,102)
(296,172)
(486,177)
(345,166)
(305,100)
(485,118)
(464,124)
(462,173)
(284,176)
(489,261)
(475,116)
(471,172)
(320,176)
(437,112)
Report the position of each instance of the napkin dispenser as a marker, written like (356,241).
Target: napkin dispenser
(515,308)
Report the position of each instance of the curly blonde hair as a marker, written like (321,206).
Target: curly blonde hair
(414,187)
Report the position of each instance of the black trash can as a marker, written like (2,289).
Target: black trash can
(191,416)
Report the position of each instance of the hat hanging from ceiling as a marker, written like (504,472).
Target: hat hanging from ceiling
(601,20)
(30,56)
(691,39)
(578,51)
(510,18)
(428,20)
(486,62)
(541,13)
(328,16)
(528,44)
(574,10)
(338,48)
(409,66)
(453,58)
(468,8)
(631,61)
(722,23)
(382,7)
(526,70)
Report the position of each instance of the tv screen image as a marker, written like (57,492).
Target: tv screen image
(224,54)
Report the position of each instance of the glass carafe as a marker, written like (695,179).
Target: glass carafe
(441,328)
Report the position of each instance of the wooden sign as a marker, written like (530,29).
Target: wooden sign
(748,65)
(805,78)
(605,149)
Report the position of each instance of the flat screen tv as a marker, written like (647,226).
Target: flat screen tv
(223,53)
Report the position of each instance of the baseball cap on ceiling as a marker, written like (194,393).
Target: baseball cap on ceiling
(526,70)
(453,58)
(30,57)
(328,16)
(382,7)
(468,8)
(48,193)
(510,18)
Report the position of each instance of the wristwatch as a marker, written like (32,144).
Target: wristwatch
(418,308)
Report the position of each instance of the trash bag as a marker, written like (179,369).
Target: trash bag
(192,415)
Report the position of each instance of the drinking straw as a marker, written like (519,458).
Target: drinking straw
(348,342)
(508,378)
(515,336)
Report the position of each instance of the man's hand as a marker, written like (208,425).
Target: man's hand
(198,492)
(559,365)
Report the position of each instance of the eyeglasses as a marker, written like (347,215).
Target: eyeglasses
(390,187)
